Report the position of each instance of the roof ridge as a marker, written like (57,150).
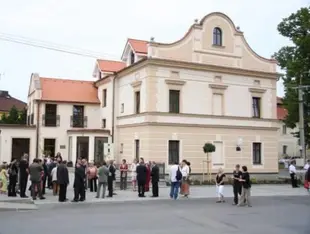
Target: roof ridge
(118,61)
(136,39)
(65,79)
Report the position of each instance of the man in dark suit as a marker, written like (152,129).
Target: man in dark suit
(141,177)
(79,182)
(111,177)
(23,175)
(62,181)
(155,179)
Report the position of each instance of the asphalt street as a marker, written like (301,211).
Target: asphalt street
(270,215)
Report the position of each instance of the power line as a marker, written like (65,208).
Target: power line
(50,46)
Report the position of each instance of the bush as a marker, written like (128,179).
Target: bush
(208,148)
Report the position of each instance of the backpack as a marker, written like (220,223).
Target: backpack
(178,176)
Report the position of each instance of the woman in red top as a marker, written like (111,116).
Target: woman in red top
(148,177)
(92,177)
(124,171)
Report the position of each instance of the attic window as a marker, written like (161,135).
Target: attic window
(132,57)
(217,36)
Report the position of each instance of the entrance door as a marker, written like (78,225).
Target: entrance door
(82,146)
(20,146)
(49,147)
(99,148)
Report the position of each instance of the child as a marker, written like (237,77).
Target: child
(3,180)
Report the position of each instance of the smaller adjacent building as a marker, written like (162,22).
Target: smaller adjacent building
(66,115)
(7,102)
(288,143)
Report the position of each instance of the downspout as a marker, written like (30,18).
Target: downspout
(37,129)
(113,108)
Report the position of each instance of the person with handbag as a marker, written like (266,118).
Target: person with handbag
(13,175)
(185,179)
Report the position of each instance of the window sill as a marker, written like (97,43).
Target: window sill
(254,117)
(218,46)
(257,165)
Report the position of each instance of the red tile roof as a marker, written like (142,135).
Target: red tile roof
(139,46)
(281,113)
(110,65)
(64,90)
(7,102)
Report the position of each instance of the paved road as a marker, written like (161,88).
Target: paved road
(270,215)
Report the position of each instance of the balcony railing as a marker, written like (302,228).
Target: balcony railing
(78,121)
(51,120)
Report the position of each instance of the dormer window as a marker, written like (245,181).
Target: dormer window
(217,36)
(132,57)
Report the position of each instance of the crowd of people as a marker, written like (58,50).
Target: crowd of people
(52,173)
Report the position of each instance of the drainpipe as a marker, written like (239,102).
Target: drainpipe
(37,128)
(113,108)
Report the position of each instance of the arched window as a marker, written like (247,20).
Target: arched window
(217,36)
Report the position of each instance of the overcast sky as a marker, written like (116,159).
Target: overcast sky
(103,27)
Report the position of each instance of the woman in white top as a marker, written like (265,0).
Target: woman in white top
(185,179)
(54,181)
(220,179)
(133,170)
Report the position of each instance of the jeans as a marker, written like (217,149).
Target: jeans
(174,190)
(104,187)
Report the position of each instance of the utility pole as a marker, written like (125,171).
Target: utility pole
(302,121)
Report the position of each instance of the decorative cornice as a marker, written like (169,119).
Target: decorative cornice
(136,84)
(196,126)
(175,82)
(257,90)
(190,115)
(218,86)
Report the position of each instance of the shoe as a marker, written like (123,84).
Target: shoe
(96,197)
(34,198)
(74,200)
(42,198)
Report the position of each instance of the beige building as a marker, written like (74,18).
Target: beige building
(163,102)
(209,86)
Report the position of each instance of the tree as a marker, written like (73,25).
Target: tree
(23,116)
(208,148)
(3,118)
(295,61)
(13,117)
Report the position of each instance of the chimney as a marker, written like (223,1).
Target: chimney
(196,21)
(4,93)
(152,39)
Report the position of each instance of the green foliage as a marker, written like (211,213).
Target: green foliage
(295,60)
(3,118)
(208,148)
(14,117)
(23,116)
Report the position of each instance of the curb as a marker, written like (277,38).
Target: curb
(17,200)
(89,203)
(6,206)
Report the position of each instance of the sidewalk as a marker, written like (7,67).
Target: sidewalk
(197,192)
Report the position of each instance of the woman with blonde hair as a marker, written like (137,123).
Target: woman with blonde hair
(133,170)
(3,180)
(220,178)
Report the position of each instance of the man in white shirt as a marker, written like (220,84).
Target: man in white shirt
(175,179)
(306,167)
(292,171)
